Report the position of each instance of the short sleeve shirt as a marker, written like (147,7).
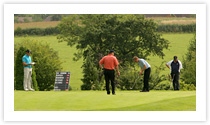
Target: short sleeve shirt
(143,62)
(26,59)
(109,61)
(180,64)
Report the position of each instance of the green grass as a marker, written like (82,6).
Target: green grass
(178,46)
(99,101)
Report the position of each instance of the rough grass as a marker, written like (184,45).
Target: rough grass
(99,101)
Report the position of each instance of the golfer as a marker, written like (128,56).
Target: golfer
(175,66)
(110,63)
(146,68)
(27,71)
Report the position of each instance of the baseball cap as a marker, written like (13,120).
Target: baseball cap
(111,51)
(28,51)
(175,57)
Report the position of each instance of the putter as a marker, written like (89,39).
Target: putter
(171,82)
(135,82)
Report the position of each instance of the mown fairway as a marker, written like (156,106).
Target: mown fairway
(99,101)
(178,46)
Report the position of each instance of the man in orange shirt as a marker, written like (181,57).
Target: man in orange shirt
(110,63)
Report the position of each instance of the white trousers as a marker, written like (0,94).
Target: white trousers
(27,78)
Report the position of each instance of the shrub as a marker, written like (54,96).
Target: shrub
(185,87)
(164,85)
(37,31)
(128,76)
(47,62)
(189,28)
(189,64)
(90,75)
(156,77)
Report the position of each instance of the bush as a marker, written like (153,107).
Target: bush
(91,78)
(47,62)
(156,77)
(185,87)
(189,64)
(37,31)
(164,85)
(19,71)
(127,78)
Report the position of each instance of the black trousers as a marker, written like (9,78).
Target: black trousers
(175,77)
(146,79)
(109,76)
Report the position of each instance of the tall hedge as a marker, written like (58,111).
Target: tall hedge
(189,28)
(46,59)
(19,71)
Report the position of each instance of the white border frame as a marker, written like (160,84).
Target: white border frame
(11,9)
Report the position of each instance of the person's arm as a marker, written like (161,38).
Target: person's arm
(101,62)
(25,64)
(168,64)
(117,68)
(100,65)
(142,70)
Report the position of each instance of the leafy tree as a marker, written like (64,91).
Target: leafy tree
(189,65)
(128,35)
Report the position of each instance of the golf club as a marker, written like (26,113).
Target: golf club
(135,82)
(171,82)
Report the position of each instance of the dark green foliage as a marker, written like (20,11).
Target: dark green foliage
(185,87)
(47,62)
(91,75)
(164,85)
(35,84)
(189,64)
(188,28)
(19,71)
(156,77)
(127,78)
(129,35)
(37,31)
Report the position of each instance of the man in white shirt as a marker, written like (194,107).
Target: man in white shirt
(175,66)
(146,68)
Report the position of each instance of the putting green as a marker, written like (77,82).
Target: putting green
(99,101)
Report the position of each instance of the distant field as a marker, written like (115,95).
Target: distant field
(36,25)
(178,46)
(159,20)
(173,20)
(99,101)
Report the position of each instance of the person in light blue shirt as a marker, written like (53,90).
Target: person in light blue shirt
(27,71)
(146,68)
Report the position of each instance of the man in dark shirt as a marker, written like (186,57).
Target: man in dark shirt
(175,66)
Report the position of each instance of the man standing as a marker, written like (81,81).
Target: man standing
(110,63)
(175,66)
(146,68)
(27,71)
